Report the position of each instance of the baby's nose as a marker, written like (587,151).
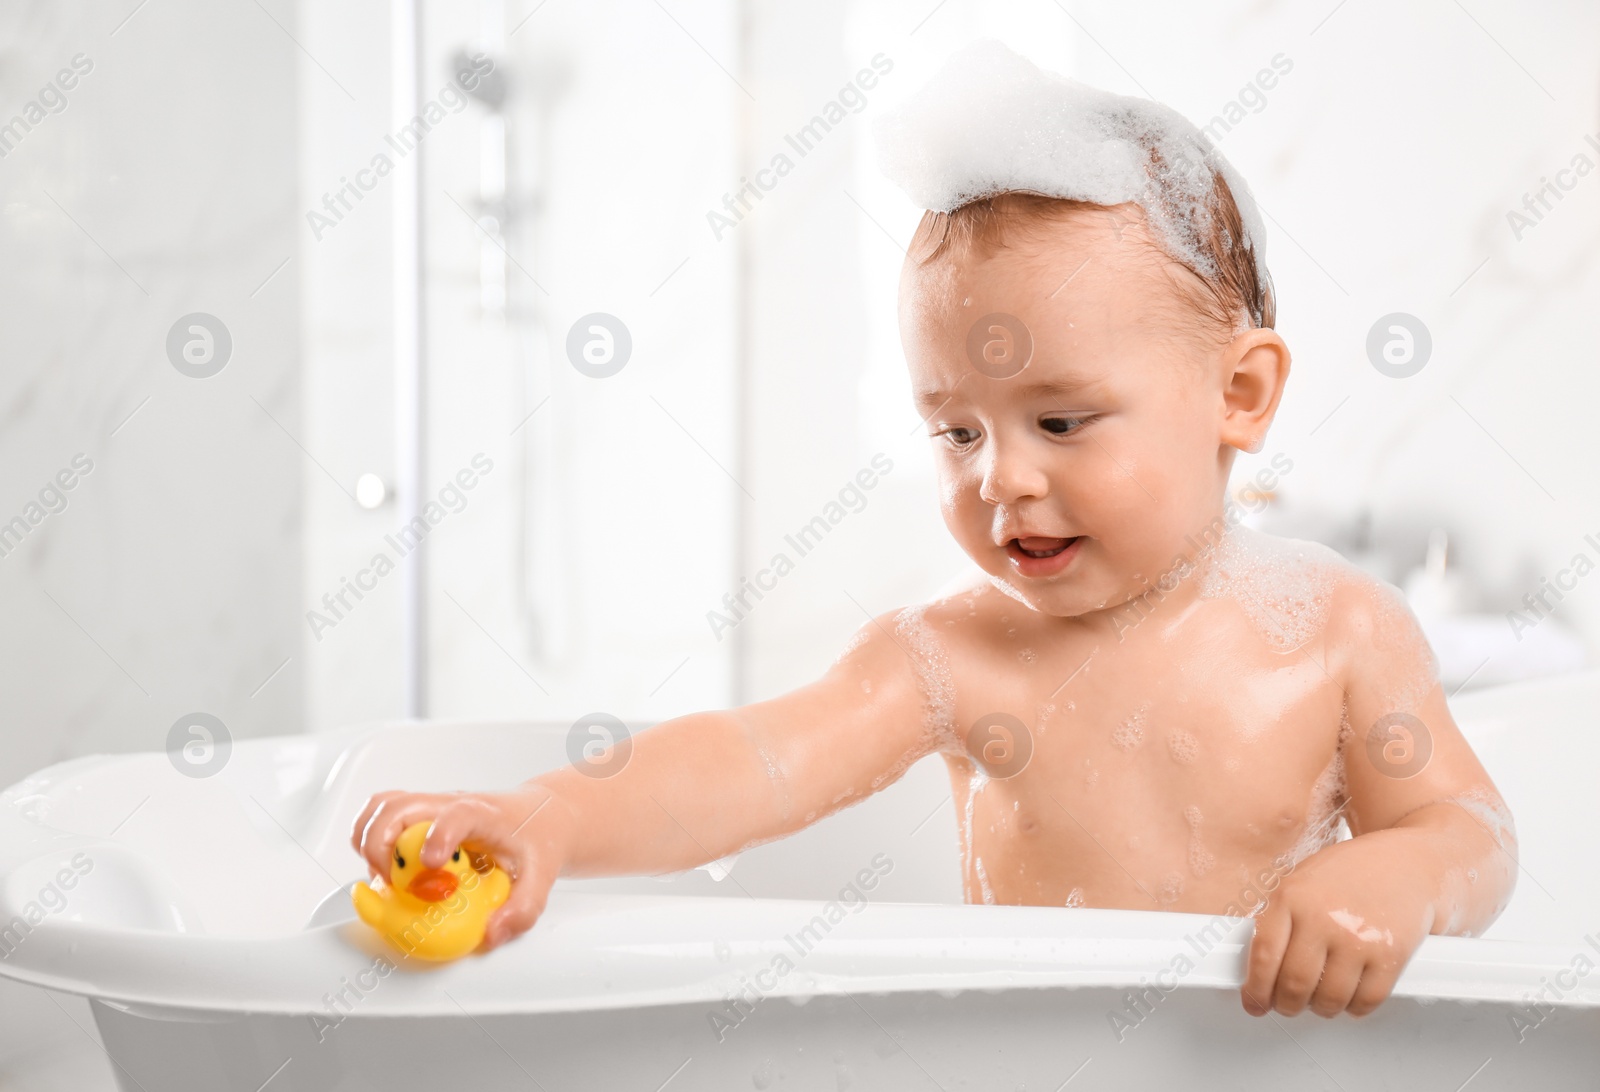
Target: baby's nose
(1010,477)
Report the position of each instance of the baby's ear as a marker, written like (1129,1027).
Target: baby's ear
(1255,367)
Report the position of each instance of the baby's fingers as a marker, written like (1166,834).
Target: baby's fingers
(1267,946)
(464,819)
(358,832)
(529,894)
(1378,979)
(1301,972)
(391,817)
(1340,979)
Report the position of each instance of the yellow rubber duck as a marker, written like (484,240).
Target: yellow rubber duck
(435,914)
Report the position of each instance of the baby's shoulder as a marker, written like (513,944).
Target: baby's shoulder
(1305,590)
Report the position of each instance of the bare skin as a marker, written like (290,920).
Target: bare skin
(1114,739)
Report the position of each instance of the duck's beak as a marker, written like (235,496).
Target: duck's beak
(433,885)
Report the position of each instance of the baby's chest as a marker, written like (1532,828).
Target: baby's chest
(1244,747)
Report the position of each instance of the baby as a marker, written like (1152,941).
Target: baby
(1141,704)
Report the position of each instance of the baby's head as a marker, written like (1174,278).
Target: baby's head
(1088,366)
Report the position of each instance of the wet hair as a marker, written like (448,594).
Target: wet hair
(1238,285)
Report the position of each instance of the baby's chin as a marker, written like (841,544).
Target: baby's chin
(1069,599)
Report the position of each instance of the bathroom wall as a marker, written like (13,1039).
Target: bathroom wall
(159,183)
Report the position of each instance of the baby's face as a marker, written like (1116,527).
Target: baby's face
(1074,481)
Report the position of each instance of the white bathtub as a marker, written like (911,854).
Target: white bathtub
(185,924)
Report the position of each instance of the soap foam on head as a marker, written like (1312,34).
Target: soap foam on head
(990,121)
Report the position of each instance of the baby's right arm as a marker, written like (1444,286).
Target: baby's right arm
(695,789)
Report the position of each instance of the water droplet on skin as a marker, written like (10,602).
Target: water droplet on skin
(1075,897)
(1027,655)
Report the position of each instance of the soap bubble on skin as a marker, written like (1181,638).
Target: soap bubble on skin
(1357,926)
(857,639)
(933,672)
(1201,860)
(1183,747)
(1282,585)
(1171,888)
(983,882)
(990,121)
(1328,801)
(1130,733)
(1491,814)
(967,830)
(1397,640)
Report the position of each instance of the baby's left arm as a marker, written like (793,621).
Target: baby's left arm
(1433,847)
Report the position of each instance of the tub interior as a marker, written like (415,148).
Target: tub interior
(255,849)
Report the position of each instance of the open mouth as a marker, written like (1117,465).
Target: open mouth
(1043,547)
(1035,555)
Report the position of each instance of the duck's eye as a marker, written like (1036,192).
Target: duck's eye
(399,860)
(456,856)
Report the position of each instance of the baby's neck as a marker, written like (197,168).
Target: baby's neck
(1171,593)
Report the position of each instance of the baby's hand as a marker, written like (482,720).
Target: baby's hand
(1336,933)
(520,829)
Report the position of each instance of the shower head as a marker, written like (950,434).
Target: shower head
(488,87)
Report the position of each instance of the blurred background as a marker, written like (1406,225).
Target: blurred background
(280,277)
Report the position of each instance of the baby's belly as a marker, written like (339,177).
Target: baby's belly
(1087,838)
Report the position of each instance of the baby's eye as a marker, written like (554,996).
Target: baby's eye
(957,436)
(1061,426)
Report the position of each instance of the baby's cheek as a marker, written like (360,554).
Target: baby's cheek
(965,515)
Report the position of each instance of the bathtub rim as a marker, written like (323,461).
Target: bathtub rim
(135,970)
(135,965)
